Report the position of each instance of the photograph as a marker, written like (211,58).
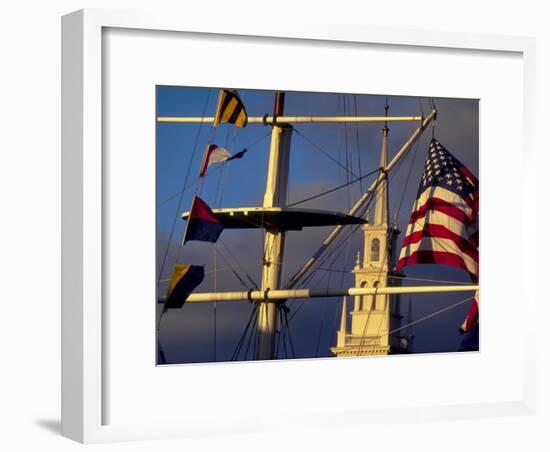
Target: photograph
(314,225)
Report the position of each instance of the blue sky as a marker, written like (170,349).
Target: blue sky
(187,335)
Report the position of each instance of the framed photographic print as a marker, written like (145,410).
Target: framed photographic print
(244,209)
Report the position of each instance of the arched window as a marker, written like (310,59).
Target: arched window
(375,250)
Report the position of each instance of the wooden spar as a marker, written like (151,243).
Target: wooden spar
(274,246)
(260,295)
(296,119)
(336,231)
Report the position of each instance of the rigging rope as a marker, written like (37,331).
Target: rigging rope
(335,188)
(215,302)
(405,278)
(238,348)
(210,173)
(235,273)
(239,265)
(358,143)
(347,152)
(290,342)
(433,314)
(171,235)
(315,145)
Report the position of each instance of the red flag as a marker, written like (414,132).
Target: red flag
(202,224)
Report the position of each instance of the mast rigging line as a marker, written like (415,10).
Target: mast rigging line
(433,314)
(240,343)
(209,173)
(287,323)
(238,265)
(335,188)
(323,151)
(357,141)
(172,229)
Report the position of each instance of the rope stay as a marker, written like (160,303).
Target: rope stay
(433,314)
(331,190)
(174,222)
(244,335)
(319,148)
(208,174)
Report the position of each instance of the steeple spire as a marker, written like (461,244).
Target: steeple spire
(381,209)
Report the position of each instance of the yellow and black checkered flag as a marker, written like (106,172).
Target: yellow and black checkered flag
(230,109)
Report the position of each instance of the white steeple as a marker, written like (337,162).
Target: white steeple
(374,317)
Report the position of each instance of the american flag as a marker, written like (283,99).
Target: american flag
(443,224)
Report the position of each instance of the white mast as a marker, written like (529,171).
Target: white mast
(275,196)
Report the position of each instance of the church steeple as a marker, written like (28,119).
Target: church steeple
(374,317)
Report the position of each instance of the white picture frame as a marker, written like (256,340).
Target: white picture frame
(84,388)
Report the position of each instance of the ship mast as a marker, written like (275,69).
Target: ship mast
(274,242)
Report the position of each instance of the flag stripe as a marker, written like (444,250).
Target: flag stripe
(442,245)
(469,200)
(441,232)
(440,205)
(235,114)
(227,98)
(435,257)
(230,109)
(441,219)
(450,197)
